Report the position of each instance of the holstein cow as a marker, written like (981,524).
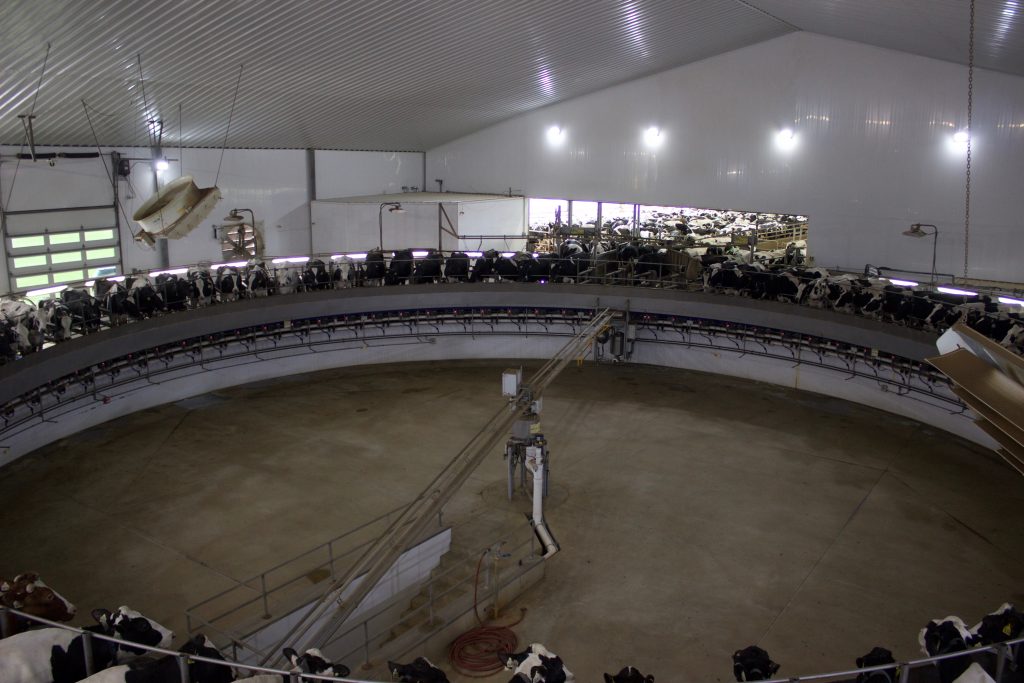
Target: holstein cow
(946,636)
(56,654)
(753,664)
(257,279)
(228,284)
(54,319)
(144,294)
(628,675)
(456,267)
(85,310)
(877,657)
(420,670)
(201,291)
(400,268)
(167,668)
(1006,623)
(174,291)
(27,593)
(21,316)
(117,304)
(375,269)
(536,664)
(428,268)
(343,272)
(311,661)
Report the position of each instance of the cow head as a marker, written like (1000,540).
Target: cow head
(131,626)
(28,593)
(628,675)
(206,672)
(420,670)
(312,661)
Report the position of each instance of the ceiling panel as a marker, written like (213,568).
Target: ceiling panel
(401,74)
(387,74)
(932,28)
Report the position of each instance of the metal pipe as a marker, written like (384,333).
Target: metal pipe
(90,665)
(183,671)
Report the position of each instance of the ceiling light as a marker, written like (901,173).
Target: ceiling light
(903,283)
(508,254)
(954,290)
(652,137)
(46,291)
(419,253)
(555,135)
(785,139)
(233,264)
(162,165)
(173,271)
(288,259)
(958,141)
(475,254)
(1012,301)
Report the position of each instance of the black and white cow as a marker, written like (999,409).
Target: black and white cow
(56,654)
(536,664)
(753,664)
(257,279)
(21,316)
(167,668)
(428,269)
(55,319)
(456,267)
(945,636)
(117,304)
(316,275)
(343,272)
(420,670)
(1006,623)
(878,656)
(375,269)
(145,296)
(84,308)
(628,675)
(173,290)
(29,594)
(228,284)
(400,268)
(202,290)
(484,267)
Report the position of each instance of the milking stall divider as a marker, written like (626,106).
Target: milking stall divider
(382,553)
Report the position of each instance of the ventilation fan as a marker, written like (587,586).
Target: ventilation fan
(175,210)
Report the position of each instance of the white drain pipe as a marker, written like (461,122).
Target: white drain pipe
(534,460)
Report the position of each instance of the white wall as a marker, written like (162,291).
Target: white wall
(873,153)
(353,226)
(492,217)
(352,174)
(273,183)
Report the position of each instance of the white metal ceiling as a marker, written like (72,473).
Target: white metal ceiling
(399,74)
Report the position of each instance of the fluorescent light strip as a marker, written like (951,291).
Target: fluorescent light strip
(953,290)
(419,253)
(475,254)
(233,264)
(116,278)
(172,271)
(291,259)
(1010,300)
(46,290)
(903,283)
(508,254)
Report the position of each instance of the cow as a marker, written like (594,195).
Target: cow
(375,269)
(753,664)
(877,657)
(315,275)
(506,267)
(400,268)
(945,636)
(311,661)
(536,664)
(628,675)
(57,654)
(117,304)
(228,284)
(173,290)
(343,272)
(27,593)
(21,315)
(8,342)
(974,674)
(428,268)
(202,290)
(166,669)
(257,279)
(456,267)
(54,319)
(420,670)
(144,294)
(484,267)
(84,309)
(1006,623)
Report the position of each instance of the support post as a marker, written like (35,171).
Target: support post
(183,669)
(263,591)
(90,665)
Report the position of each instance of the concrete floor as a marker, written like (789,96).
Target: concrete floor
(698,514)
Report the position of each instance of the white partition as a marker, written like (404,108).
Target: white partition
(350,174)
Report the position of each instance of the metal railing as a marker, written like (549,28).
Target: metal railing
(184,659)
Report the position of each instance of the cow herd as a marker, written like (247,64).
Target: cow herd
(49,654)
(80,310)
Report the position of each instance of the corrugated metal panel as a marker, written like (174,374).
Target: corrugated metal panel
(388,74)
(932,28)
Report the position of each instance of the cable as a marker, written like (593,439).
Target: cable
(110,175)
(231,115)
(477,652)
(31,111)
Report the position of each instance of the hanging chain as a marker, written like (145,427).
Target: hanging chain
(970,135)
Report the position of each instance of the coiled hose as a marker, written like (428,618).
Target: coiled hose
(476,653)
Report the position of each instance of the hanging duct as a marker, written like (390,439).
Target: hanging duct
(175,210)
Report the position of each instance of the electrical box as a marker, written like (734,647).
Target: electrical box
(510,382)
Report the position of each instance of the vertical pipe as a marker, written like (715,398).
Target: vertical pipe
(330,557)
(90,665)
(183,669)
(366,643)
(1002,652)
(904,673)
(310,191)
(263,590)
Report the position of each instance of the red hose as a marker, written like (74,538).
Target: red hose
(476,652)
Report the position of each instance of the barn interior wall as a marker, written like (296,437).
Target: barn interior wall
(873,154)
(273,183)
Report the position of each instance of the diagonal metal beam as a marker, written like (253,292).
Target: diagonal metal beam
(382,554)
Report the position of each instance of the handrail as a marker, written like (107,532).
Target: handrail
(182,657)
